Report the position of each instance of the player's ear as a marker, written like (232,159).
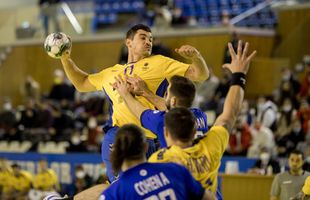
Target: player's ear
(173,101)
(128,42)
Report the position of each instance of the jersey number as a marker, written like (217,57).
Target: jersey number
(163,195)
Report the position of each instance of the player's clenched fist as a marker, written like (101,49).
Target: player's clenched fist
(188,52)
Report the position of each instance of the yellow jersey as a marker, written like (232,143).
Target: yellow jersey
(202,159)
(46,181)
(306,187)
(5,184)
(156,71)
(22,182)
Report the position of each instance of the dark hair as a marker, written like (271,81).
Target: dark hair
(180,122)
(184,89)
(133,30)
(129,144)
(297,152)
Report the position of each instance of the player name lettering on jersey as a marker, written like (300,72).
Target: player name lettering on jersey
(200,123)
(151,183)
(198,165)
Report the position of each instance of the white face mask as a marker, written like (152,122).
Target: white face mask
(296,129)
(92,123)
(7,106)
(80,174)
(287,108)
(264,157)
(75,140)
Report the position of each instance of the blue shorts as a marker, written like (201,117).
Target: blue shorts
(106,148)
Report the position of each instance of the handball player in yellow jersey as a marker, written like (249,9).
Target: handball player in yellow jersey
(155,70)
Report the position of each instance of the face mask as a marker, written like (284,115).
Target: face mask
(260,106)
(286,77)
(7,106)
(103,171)
(80,174)
(264,157)
(296,129)
(287,108)
(92,123)
(75,140)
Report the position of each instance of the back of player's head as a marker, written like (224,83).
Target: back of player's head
(180,123)
(133,30)
(129,144)
(183,89)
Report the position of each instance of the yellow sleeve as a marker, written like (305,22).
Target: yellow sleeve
(306,187)
(174,67)
(216,141)
(97,79)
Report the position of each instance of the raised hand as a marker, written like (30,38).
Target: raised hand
(188,52)
(240,61)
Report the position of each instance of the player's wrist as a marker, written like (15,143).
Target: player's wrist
(239,79)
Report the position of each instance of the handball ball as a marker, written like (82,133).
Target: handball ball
(56,43)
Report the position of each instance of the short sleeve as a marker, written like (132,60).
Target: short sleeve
(98,78)
(216,140)
(275,187)
(174,67)
(153,120)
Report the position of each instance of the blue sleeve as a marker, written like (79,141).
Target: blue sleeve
(201,120)
(195,188)
(153,120)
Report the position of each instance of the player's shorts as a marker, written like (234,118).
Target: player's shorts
(106,148)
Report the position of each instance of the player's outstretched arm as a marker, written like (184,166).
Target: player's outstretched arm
(140,88)
(123,88)
(198,71)
(239,67)
(78,77)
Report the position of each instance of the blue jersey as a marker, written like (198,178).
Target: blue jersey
(153,120)
(149,181)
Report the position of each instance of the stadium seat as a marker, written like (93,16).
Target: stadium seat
(14,146)
(4,146)
(25,146)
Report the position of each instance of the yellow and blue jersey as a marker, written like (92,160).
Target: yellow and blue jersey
(153,120)
(202,159)
(156,71)
(154,181)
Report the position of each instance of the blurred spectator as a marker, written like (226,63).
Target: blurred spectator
(8,119)
(82,179)
(31,89)
(6,173)
(239,140)
(285,119)
(46,178)
(28,115)
(61,89)
(163,15)
(246,114)
(44,182)
(267,113)
(48,11)
(76,143)
(94,136)
(289,87)
(304,114)
(305,84)
(103,178)
(21,181)
(287,185)
(262,139)
(221,91)
(160,49)
(44,118)
(225,18)
(265,164)
(234,41)
(304,147)
(206,91)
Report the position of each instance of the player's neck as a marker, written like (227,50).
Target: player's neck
(296,173)
(131,163)
(183,145)
(134,57)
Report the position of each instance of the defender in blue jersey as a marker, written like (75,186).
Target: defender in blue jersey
(180,93)
(147,181)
